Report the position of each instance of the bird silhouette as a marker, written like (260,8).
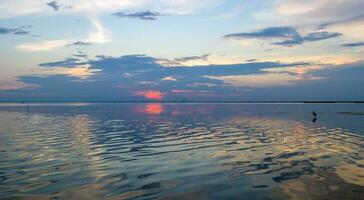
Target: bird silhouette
(314,116)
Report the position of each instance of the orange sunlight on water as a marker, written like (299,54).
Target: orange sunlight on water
(154,109)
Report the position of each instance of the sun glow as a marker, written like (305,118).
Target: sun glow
(151,94)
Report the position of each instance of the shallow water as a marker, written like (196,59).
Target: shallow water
(181,151)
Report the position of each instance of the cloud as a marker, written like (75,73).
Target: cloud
(344,16)
(355,44)
(193,92)
(54,4)
(132,71)
(267,33)
(311,37)
(338,16)
(16,8)
(15,85)
(69,63)
(189,58)
(323,35)
(14,31)
(183,60)
(136,77)
(145,15)
(319,10)
(43,46)
(258,80)
(82,71)
(79,43)
(55,44)
(289,36)
(340,21)
(80,54)
(295,70)
(169,78)
(98,35)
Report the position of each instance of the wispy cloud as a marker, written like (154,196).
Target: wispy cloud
(68,62)
(320,11)
(343,16)
(79,43)
(341,21)
(15,85)
(195,92)
(311,37)
(144,15)
(80,54)
(259,80)
(189,58)
(98,35)
(271,32)
(55,44)
(14,31)
(355,44)
(289,36)
(43,46)
(169,78)
(183,60)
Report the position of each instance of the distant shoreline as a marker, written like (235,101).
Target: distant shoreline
(186,102)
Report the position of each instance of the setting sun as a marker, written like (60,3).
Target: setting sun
(151,94)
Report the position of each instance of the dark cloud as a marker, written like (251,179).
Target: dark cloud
(311,37)
(69,62)
(271,32)
(355,44)
(80,54)
(289,36)
(79,43)
(190,58)
(55,5)
(145,15)
(181,60)
(117,78)
(315,36)
(14,31)
(252,60)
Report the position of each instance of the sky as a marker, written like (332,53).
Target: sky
(171,50)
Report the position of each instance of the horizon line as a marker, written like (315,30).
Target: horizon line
(186,102)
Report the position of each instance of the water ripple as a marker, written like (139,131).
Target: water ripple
(106,155)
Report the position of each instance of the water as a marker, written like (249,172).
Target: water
(181,151)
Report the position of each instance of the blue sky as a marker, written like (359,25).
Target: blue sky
(171,50)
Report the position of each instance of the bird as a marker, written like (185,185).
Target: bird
(314,114)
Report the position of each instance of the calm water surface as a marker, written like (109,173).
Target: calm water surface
(181,151)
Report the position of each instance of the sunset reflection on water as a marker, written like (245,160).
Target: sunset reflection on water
(154,109)
(181,151)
